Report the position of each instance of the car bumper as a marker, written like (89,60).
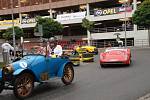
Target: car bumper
(76,63)
(114,62)
(87,59)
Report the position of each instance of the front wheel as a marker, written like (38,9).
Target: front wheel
(68,74)
(1,86)
(23,85)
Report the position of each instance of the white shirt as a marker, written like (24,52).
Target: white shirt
(58,50)
(7,47)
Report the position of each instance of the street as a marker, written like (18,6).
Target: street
(95,83)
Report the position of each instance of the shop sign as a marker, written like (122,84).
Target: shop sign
(9,23)
(70,16)
(111,11)
(28,21)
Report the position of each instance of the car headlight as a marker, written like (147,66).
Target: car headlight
(8,69)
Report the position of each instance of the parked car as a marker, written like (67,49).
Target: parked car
(115,55)
(21,75)
(90,49)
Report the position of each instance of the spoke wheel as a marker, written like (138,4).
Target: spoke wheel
(23,85)
(68,74)
(1,86)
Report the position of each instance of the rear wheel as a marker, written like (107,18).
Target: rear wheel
(68,74)
(129,63)
(23,85)
(102,65)
(1,86)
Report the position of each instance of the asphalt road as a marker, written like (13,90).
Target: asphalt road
(95,83)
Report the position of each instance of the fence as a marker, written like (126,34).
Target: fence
(112,42)
(116,29)
(142,42)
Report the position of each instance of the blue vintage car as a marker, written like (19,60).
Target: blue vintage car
(21,75)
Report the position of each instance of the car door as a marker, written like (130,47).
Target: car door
(53,64)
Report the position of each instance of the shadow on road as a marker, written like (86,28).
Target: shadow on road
(41,91)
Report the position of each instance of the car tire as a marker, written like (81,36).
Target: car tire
(1,86)
(102,65)
(68,74)
(129,63)
(23,85)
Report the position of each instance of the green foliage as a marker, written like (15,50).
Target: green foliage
(50,27)
(89,25)
(142,14)
(8,35)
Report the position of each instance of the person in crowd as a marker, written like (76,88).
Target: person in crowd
(6,48)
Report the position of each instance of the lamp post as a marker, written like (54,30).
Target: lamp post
(13,30)
(125,23)
(125,3)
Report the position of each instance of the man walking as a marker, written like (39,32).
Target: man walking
(6,47)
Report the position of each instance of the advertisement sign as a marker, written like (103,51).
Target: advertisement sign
(28,20)
(70,16)
(9,23)
(110,11)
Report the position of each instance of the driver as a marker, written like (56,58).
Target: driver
(56,48)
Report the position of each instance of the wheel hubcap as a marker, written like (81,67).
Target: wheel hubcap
(24,86)
(68,74)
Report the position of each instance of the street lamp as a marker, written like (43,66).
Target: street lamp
(125,3)
(13,30)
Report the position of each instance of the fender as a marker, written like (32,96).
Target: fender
(18,71)
(0,74)
(61,69)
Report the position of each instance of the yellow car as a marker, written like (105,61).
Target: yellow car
(90,49)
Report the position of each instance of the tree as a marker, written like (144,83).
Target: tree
(89,25)
(8,34)
(142,16)
(49,26)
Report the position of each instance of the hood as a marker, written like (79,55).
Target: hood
(27,61)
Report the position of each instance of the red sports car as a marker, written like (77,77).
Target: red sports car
(115,55)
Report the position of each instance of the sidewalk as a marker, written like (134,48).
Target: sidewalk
(146,97)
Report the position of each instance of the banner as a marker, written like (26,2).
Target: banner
(110,11)
(70,16)
(9,23)
(28,20)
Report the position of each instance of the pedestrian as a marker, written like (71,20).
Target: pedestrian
(6,48)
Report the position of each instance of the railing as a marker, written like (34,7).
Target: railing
(142,42)
(116,29)
(113,43)
(112,29)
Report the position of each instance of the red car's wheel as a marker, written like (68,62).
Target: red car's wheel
(23,85)
(102,65)
(129,63)
(1,86)
(68,74)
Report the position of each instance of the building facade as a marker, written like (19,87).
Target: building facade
(110,17)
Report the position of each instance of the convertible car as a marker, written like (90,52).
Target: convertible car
(20,75)
(115,55)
